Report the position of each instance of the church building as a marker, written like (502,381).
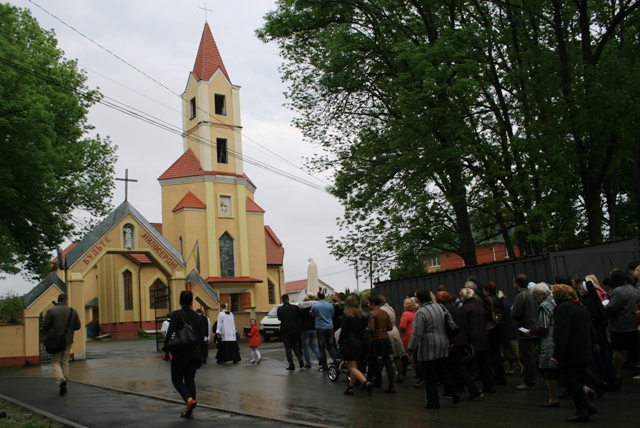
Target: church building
(127,274)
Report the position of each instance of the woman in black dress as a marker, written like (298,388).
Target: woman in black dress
(353,326)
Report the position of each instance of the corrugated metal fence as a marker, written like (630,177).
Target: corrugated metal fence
(595,259)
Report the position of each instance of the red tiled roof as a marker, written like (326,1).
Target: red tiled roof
(293,286)
(190,201)
(275,251)
(235,280)
(187,165)
(63,254)
(253,207)
(157,226)
(139,258)
(208,60)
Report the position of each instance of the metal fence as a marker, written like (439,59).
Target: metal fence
(595,259)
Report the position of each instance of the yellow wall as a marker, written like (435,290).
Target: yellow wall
(12,338)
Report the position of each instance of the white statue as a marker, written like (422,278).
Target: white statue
(312,277)
(128,237)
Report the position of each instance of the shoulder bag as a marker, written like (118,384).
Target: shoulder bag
(184,337)
(57,342)
(450,325)
(496,317)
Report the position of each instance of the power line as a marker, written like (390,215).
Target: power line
(145,117)
(272,169)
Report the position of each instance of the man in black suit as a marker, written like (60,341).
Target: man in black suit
(291,330)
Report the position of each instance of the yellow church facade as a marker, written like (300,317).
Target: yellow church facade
(125,275)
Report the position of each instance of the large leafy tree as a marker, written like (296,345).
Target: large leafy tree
(49,167)
(450,123)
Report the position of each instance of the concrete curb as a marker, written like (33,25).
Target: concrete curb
(47,415)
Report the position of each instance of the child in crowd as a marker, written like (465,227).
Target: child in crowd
(254,342)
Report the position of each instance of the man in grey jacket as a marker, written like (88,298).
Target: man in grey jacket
(524,312)
(59,320)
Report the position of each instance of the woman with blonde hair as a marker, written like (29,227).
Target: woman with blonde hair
(602,294)
(406,327)
(353,326)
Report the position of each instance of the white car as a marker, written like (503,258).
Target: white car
(270,325)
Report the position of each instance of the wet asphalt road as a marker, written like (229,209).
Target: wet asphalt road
(268,395)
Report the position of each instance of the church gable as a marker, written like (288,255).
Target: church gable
(51,281)
(111,235)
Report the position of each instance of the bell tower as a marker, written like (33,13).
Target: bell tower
(211,111)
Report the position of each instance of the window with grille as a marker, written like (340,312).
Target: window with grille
(127,283)
(227,260)
(158,291)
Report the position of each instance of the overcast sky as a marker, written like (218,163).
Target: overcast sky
(160,38)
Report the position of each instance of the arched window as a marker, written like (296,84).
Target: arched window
(127,288)
(227,260)
(158,295)
(180,245)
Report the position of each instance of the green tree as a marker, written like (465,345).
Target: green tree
(11,308)
(49,167)
(448,123)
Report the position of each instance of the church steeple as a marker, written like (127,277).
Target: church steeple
(211,112)
(208,60)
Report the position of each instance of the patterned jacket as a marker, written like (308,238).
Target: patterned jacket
(429,337)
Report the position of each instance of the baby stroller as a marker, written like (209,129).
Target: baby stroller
(335,370)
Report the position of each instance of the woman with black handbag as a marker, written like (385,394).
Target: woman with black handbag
(185,359)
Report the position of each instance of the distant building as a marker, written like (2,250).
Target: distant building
(297,290)
(486,253)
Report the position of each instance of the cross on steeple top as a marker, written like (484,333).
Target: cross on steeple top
(205,11)
(126,180)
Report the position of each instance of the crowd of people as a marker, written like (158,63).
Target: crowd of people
(577,334)
(574,333)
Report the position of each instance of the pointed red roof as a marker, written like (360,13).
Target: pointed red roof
(208,60)
(190,201)
(252,207)
(187,165)
(275,251)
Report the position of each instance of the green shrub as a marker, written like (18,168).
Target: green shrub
(11,308)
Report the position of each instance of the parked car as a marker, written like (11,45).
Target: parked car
(270,325)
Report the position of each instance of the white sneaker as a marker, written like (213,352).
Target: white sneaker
(252,361)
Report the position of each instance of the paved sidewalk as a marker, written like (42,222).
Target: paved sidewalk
(92,406)
(127,384)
